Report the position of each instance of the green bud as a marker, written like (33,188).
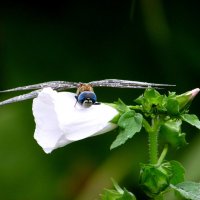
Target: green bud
(155,179)
(186,98)
(176,104)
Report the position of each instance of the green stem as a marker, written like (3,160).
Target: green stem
(135,107)
(146,125)
(163,154)
(153,150)
(153,147)
(153,141)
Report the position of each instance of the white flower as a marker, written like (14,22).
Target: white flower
(60,120)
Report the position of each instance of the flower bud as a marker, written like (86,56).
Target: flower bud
(155,179)
(186,98)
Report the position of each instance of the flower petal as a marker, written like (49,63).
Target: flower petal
(47,131)
(59,120)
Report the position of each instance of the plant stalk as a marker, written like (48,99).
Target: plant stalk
(153,141)
(163,154)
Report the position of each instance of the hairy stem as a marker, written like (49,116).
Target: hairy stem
(153,150)
(153,141)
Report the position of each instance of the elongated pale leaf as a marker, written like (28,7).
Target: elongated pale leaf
(189,190)
(191,119)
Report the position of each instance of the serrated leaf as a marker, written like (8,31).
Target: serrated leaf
(151,94)
(189,190)
(191,119)
(152,101)
(129,124)
(178,172)
(121,106)
(170,132)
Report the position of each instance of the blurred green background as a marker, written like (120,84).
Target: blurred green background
(153,41)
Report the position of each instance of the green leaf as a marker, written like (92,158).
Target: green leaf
(189,190)
(152,94)
(129,124)
(170,132)
(178,172)
(191,119)
(139,100)
(115,119)
(121,106)
(117,187)
(149,98)
(127,196)
(172,106)
(117,194)
(110,195)
(152,101)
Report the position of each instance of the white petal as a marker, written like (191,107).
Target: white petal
(47,132)
(59,120)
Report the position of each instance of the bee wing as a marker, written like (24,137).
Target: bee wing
(22,97)
(56,85)
(126,84)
